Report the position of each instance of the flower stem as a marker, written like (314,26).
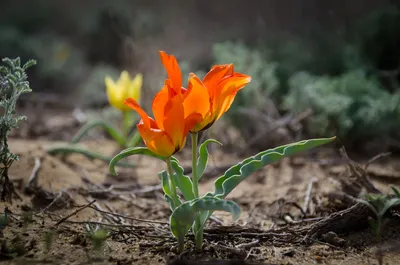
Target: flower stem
(135,139)
(197,223)
(172,181)
(126,123)
(194,165)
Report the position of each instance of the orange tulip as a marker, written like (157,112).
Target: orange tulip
(166,134)
(211,97)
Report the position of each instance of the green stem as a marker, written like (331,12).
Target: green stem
(198,234)
(126,123)
(135,139)
(88,154)
(194,165)
(172,181)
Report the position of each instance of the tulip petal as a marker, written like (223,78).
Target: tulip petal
(159,103)
(138,80)
(196,97)
(215,75)
(192,121)
(135,106)
(110,86)
(156,140)
(174,72)
(228,89)
(135,87)
(112,92)
(174,120)
(124,79)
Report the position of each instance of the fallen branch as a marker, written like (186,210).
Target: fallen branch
(74,213)
(353,218)
(128,217)
(287,120)
(378,156)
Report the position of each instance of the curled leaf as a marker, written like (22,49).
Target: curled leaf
(239,172)
(203,157)
(168,195)
(184,183)
(129,152)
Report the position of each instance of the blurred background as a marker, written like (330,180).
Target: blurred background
(319,68)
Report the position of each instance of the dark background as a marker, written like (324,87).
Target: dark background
(339,59)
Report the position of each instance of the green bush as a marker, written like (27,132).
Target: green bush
(325,72)
(254,63)
(13,83)
(264,84)
(352,105)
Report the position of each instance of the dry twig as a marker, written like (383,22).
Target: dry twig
(74,213)
(128,217)
(373,159)
(32,181)
(308,195)
(282,122)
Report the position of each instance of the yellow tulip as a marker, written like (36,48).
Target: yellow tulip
(125,87)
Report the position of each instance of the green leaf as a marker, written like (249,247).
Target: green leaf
(163,175)
(203,217)
(29,64)
(169,201)
(167,189)
(203,157)
(110,129)
(389,204)
(184,215)
(80,150)
(129,152)
(237,173)
(396,191)
(370,206)
(373,224)
(183,182)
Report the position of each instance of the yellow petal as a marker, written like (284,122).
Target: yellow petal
(112,88)
(135,88)
(110,85)
(124,79)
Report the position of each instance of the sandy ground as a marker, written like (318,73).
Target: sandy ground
(270,230)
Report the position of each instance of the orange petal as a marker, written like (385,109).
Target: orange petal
(159,103)
(135,106)
(191,122)
(149,133)
(174,120)
(174,72)
(215,75)
(196,97)
(157,141)
(228,88)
